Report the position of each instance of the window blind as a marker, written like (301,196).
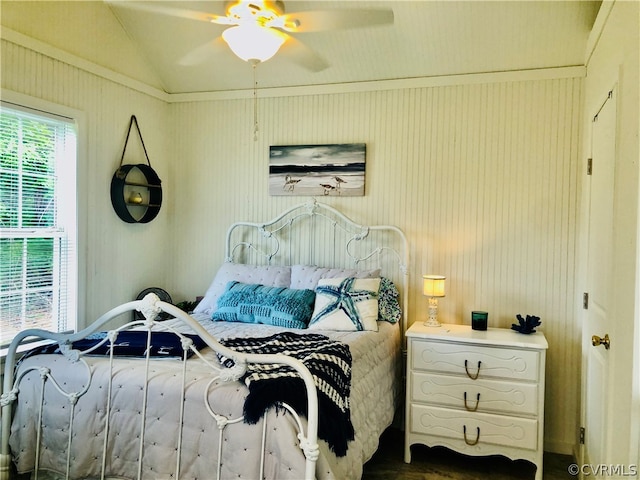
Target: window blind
(38,262)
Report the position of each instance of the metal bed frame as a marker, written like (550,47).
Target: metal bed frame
(261,242)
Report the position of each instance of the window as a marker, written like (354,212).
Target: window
(38,258)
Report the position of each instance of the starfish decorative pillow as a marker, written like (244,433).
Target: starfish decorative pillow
(348,304)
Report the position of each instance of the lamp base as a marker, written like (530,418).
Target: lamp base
(432,321)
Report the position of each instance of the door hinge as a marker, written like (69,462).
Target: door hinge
(585,300)
(581,435)
(589,166)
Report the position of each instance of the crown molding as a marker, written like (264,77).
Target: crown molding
(598,28)
(58,54)
(572,71)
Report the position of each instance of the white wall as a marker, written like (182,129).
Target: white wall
(482,176)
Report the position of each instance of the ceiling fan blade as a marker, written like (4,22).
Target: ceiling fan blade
(202,53)
(323,20)
(302,55)
(172,11)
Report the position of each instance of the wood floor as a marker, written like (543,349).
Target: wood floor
(439,463)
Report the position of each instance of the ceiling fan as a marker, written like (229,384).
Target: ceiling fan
(257,29)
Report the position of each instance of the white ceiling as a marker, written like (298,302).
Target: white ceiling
(427,38)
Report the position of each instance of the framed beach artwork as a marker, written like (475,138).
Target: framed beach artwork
(314,170)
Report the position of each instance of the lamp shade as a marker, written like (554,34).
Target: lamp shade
(433,285)
(249,41)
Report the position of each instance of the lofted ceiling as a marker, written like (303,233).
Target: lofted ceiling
(427,39)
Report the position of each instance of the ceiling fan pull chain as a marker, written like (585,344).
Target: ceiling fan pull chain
(254,64)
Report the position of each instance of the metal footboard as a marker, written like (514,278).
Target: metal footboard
(150,306)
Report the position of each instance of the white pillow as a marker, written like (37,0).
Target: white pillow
(307,277)
(347,304)
(269,275)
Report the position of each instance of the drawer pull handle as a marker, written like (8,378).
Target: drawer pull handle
(466,440)
(466,368)
(469,409)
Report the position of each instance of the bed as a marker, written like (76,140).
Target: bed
(290,367)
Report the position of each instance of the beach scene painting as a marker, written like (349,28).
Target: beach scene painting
(317,170)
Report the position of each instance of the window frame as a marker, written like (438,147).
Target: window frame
(75,118)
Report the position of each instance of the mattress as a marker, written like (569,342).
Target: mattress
(375,392)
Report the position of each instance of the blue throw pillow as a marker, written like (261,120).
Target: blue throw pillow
(252,303)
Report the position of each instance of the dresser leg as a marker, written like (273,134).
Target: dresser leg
(539,471)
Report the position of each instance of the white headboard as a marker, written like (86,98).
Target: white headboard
(314,233)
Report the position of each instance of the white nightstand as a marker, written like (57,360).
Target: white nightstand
(476,392)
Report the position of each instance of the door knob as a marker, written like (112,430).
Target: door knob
(596,341)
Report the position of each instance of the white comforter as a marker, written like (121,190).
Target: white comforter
(374,394)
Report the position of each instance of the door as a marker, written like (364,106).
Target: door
(600,270)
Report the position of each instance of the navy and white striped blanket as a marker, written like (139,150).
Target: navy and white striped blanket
(328,361)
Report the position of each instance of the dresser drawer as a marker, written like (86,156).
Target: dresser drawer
(472,360)
(480,428)
(499,396)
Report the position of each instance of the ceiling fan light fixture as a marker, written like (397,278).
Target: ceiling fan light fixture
(249,41)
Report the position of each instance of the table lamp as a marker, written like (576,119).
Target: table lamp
(433,287)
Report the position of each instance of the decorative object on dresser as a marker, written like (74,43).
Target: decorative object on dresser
(476,392)
(527,325)
(136,190)
(479,320)
(433,287)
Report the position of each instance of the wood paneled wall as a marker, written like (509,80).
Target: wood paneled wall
(483,177)
(117,260)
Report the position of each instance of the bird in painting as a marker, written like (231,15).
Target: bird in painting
(290,183)
(339,182)
(327,188)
